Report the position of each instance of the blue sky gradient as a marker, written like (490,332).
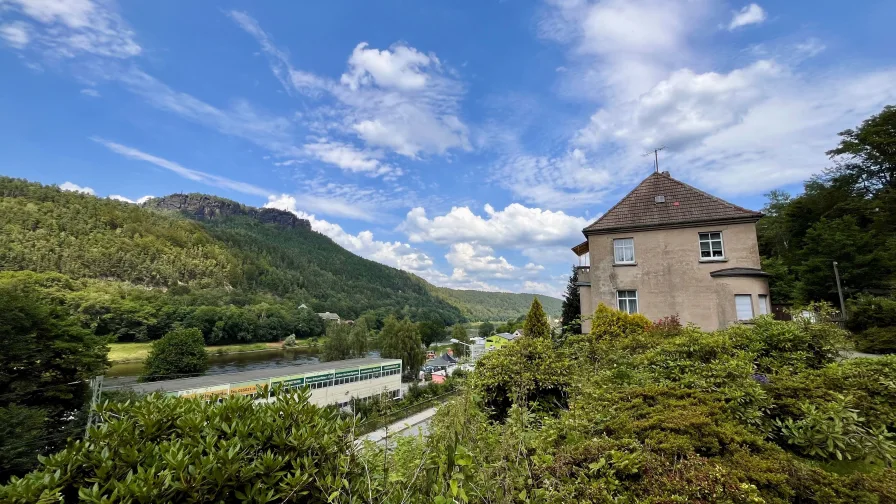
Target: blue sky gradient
(465,141)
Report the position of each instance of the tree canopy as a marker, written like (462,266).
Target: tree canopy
(847,215)
(571,313)
(536,325)
(400,339)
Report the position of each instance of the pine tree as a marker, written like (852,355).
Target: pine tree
(570,317)
(536,325)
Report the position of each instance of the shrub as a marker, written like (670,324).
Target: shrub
(607,323)
(835,431)
(290,341)
(877,340)
(527,372)
(866,312)
(666,327)
(166,449)
(180,352)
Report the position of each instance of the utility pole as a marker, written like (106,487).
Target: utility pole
(840,292)
(656,157)
(96,389)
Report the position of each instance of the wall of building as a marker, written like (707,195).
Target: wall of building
(670,276)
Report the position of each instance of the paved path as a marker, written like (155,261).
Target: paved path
(401,426)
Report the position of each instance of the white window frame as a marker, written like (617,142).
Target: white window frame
(764,307)
(628,301)
(700,241)
(752,309)
(623,247)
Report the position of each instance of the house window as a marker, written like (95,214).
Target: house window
(763,304)
(711,246)
(627,300)
(744,305)
(624,250)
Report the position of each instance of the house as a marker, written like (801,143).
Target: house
(517,333)
(668,248)
(329,317)
(498,340)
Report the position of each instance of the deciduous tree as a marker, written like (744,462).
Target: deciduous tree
(179,353)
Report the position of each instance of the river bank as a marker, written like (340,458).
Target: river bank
(121,353)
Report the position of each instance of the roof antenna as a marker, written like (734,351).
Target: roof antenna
(656,157)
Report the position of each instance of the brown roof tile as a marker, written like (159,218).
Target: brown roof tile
(683,204)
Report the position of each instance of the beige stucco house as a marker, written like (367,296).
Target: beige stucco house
(668,248)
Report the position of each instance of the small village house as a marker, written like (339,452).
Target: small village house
(668,248)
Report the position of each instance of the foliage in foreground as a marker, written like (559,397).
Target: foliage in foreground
(164,449)
(761,413)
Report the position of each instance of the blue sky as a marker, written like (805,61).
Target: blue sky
(468,142)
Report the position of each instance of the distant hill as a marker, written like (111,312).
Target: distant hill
(209,244)
(495,306)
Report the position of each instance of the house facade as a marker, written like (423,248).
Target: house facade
(668,248)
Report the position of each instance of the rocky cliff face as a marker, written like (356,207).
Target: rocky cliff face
(205,207)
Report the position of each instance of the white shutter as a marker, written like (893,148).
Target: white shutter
(744,305)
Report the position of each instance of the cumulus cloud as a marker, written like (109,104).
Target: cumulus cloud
(399,98)
(72,187)
(750,14)
(743,130)
(70,28)
(396,254)
(516,226)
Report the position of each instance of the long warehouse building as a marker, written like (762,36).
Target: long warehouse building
(335,382)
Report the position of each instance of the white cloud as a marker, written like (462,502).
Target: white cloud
(16,34)
(750,14)
(553,289)
(516,226)
(138,201)
(742,130)
(480,260)
(347,157)
(69,28)
(401,68)
(90,92)
(685,108)
(69,186)
(397,98)
(187,173)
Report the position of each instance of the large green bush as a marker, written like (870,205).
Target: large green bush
(179,353)
(867,311)
(877,340)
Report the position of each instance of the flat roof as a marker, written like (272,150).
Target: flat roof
(254,374)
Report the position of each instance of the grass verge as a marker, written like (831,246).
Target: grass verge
(134,352)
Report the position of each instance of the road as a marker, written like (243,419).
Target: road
(411,425)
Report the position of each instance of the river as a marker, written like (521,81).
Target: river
(127,372)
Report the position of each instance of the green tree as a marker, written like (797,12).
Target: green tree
(338,345)
(400,339)
(536,325)
(359,339)
(459,332)
(179,353)
(571,316)
(486,329)
(431,331)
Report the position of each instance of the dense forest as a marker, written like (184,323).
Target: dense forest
(236,272)
(846,214)
(494,306)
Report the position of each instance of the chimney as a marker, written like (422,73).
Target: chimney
(666,173)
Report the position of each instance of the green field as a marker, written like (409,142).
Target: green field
(132,352)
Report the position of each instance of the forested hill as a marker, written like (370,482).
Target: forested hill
(495,306)
(218,250)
